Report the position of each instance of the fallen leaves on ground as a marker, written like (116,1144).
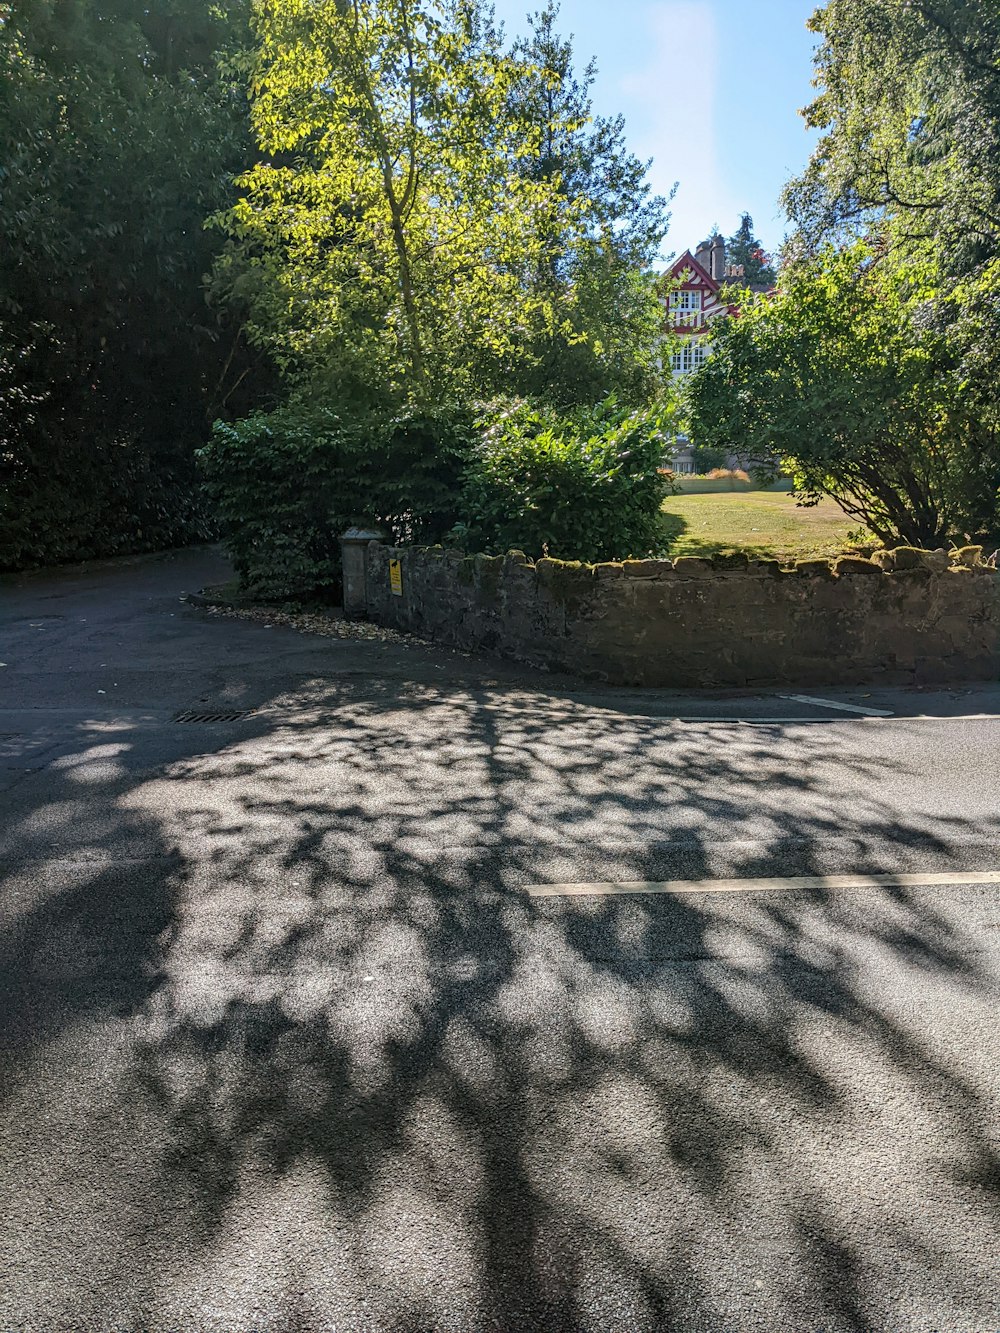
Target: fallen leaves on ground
(314,622)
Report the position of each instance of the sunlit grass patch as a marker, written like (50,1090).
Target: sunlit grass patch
(766,524)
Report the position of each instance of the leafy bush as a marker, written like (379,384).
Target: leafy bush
(80,499)
(846,380)
(708,458)
(286,484)
(587,486)
(724,482)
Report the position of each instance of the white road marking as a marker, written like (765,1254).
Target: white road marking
(782,884)
(807,721)
(753,721)
(832,703)
(957,717)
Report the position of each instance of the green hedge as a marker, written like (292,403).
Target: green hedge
(80,500)
(586,486)
(284,486)
(692,483)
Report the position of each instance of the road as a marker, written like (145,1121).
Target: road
(287,1044)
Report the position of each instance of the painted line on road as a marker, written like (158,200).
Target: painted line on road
(783,884)
(756,721)
(826,721)
(832,703)
(950,717)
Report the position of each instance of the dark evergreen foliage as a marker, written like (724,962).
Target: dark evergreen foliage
(286,484)
(118,135)
(745,252)
(601,281)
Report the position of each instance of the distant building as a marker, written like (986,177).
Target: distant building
(693,303)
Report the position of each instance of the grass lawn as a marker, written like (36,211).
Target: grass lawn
(768,525)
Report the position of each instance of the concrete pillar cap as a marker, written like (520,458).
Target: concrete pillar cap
(361,535)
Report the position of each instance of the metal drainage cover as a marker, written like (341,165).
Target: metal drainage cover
(234,715)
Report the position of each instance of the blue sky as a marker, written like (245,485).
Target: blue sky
(710,90)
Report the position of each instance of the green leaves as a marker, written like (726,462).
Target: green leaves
(586,486)
(601,313)
(286,484)
(910,105)
(837,380)
(428,217)
(745,252)
(117,136)
(386,221)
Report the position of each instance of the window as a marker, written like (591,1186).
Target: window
(685,302)
(690,357)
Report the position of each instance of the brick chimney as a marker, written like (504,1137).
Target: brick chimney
(718,269)
(704,256)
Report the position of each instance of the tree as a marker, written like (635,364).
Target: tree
(909,106)
(599,244)
(424,228)
(909,159)
(744,251)
(117,136)
(838,379)
(384,239)
(445,223)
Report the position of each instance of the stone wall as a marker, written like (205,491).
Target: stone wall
(902,617)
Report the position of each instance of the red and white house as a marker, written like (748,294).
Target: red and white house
(694,282)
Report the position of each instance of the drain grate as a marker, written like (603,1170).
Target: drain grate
(211,715)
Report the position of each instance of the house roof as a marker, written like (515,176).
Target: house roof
(687,260)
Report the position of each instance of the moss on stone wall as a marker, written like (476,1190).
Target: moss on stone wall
(903,616)
(489,572)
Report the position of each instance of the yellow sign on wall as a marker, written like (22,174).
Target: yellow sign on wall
(396,578)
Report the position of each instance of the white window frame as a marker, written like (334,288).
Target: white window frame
(690,357)
(686,303)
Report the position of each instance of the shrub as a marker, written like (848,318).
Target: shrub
(586,486)
(81,499)
(286,484)
(708,458)
(852,380)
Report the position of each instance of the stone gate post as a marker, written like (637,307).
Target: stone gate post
(354,558)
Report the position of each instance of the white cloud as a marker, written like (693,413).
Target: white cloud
(672,115)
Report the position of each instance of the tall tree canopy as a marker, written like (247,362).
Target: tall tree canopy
(430,214)
(909,162)
(432,227)
(909,106)
(404,213)
(117,137)
(384,237)
(601,278)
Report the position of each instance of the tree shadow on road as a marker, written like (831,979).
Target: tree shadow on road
(364,1064)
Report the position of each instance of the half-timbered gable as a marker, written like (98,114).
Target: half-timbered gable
(691,289)
(692,303)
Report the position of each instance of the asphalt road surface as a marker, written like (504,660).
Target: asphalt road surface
(286,1043)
